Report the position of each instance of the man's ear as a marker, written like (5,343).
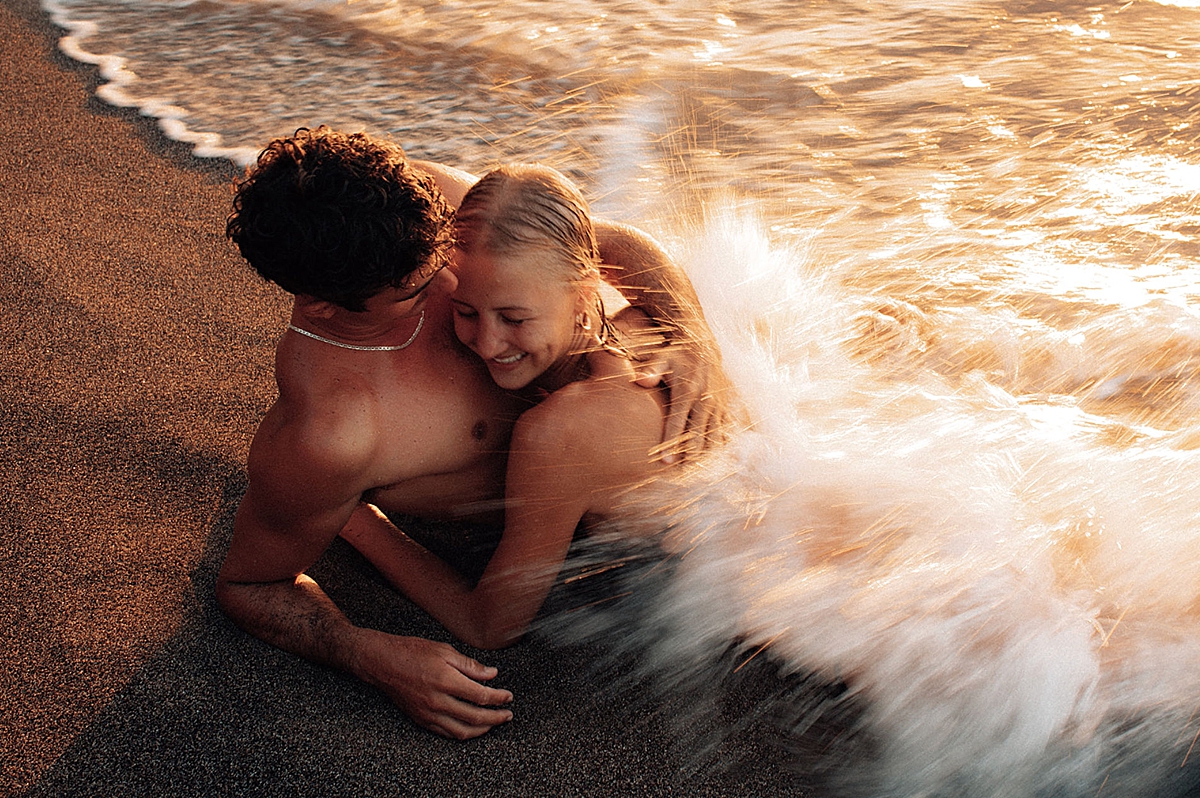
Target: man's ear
(318,308)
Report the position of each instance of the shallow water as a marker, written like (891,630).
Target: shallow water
(950,250)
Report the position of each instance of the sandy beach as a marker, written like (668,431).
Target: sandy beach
(137,362)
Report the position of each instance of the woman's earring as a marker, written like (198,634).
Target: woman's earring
(583,321)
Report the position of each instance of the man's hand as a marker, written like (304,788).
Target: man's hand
(689,364)
(690,368)
(697,413)
(433,684)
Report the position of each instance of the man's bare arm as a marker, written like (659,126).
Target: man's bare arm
(434,684)
(647,276)
(287,519)
(652,282)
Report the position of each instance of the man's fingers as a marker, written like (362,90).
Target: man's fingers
(471,715)
(673,433)
(685,394)
(479,694)
(468,688)
(713,430)
(466,712)
(471,668)
(466,722)
(459,720)
(464,709)
(701,423)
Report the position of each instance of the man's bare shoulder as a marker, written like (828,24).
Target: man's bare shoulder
(323,435)
(453,182)
(307,471)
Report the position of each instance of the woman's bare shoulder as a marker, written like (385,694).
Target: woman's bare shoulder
(602,413)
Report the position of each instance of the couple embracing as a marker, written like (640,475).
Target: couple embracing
(449,358)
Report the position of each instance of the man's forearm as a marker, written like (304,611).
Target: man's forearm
(294,616)
(432,683)
(642,271)
(637,266)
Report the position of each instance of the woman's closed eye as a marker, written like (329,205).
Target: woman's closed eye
(464,312)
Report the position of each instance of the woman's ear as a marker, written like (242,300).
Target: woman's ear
(587,291)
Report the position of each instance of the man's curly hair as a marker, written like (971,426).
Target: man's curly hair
(339,217)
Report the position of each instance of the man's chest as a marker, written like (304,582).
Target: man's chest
(438,431)
(443,445)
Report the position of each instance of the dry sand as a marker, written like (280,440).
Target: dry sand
(136,363)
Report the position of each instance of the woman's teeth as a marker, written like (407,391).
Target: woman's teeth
(505,361)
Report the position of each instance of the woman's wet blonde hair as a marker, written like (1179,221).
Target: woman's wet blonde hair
(522,207)
(533,210)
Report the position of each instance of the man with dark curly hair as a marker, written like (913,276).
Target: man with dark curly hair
(379,402)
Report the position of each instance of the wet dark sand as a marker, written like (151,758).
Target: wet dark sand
(135,366)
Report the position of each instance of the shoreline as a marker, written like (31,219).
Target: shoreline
(140,363)
(38,24)
(112,91)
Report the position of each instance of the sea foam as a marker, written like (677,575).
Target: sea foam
(1002,588)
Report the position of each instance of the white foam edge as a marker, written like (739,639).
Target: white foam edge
(117,76)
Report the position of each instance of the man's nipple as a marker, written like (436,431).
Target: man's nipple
(479,431)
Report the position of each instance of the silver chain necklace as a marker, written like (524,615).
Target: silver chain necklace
(355,347)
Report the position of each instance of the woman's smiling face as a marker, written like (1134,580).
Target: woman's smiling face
(516,313)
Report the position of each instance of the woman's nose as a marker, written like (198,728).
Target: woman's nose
(488,343)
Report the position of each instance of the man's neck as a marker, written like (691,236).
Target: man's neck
(356,329)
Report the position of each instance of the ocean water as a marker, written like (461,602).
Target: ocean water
(951,253)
